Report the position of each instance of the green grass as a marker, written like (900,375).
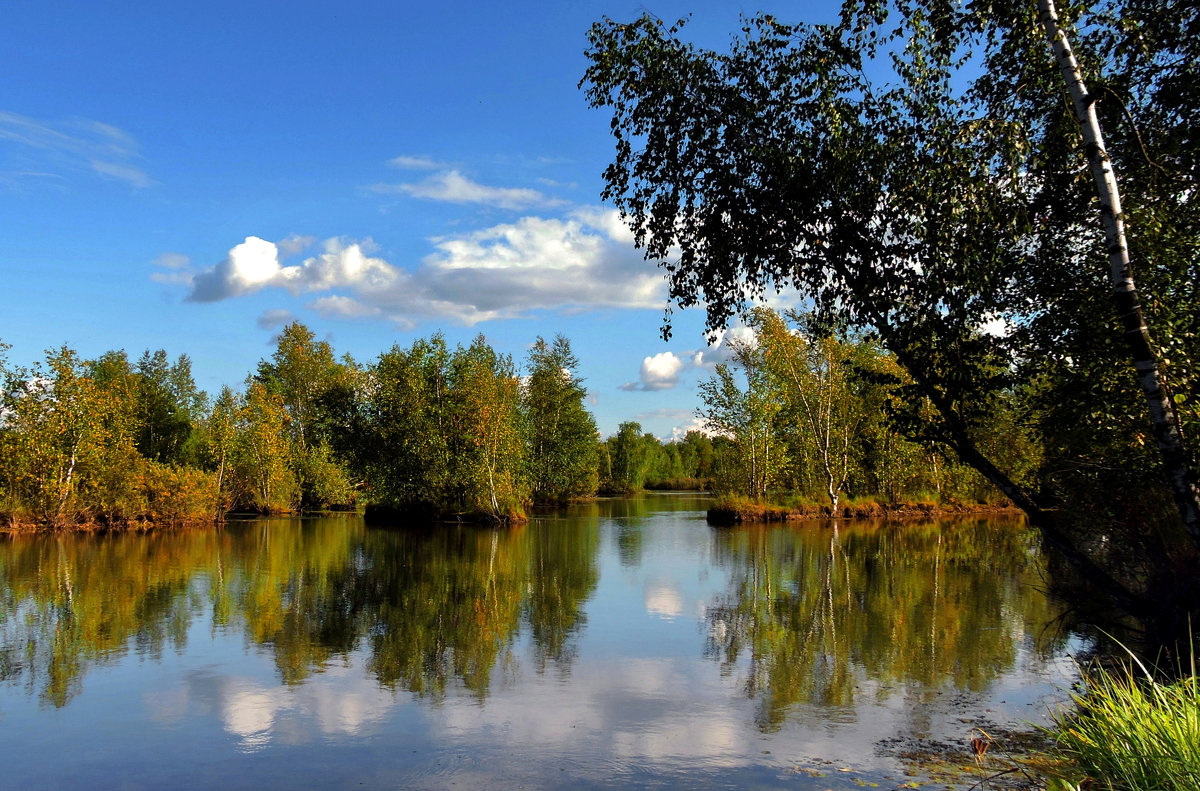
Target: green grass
(1130,732)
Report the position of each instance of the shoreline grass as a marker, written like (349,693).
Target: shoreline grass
(1129,731)
(732,509)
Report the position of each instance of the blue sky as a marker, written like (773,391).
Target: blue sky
(190,177)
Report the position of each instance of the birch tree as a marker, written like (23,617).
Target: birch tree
(859,164)
(747,417)
(1179,473)
(487,419)
(831,408)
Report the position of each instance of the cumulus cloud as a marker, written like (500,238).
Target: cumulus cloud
(512,270)
(452,186)
(695,424)
(720,346)
(659,372)
(249,266)
(43,149)
(662,371)
(255,264)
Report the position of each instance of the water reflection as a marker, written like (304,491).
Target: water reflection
(826,613)
(428,606)
(624,639)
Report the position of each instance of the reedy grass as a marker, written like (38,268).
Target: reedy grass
(1132,732)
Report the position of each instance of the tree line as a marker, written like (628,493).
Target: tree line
(818,416)
(437,431)
(425,429)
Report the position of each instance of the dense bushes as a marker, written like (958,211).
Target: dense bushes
(425,429)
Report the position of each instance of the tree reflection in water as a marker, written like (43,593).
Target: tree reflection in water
(821,614)
(428,606)
(812,615)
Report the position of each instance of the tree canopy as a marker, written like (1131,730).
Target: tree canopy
(916,170)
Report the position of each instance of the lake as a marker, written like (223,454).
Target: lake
(618,643)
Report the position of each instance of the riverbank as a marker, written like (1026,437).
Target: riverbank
(15,524)
(726,512)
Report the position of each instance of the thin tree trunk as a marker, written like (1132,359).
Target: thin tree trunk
(66,489)
(1162,414)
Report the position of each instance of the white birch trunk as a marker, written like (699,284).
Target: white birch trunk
(1162,414)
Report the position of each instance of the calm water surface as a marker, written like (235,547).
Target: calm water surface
(622,644)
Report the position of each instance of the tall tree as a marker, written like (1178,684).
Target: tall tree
(315,388)
(747,417)
(262,454)
(486,424)
(627,454)
(908,200)
(405,454)
(166,402)
(832,405)
(301,370)
(66,444)
(561,433)
(1185,486)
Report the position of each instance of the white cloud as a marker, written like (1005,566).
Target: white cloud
(249,266)
(172,278)
(512,270)
(176,269)
(453,187)
(720,346)
(607,221)
(695,424)
(135,176)
(255,264)
(173,261)
(343,307)
(52,148)
(414,163)
(294,244)
(659,372)
(662,371)
(558,184)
